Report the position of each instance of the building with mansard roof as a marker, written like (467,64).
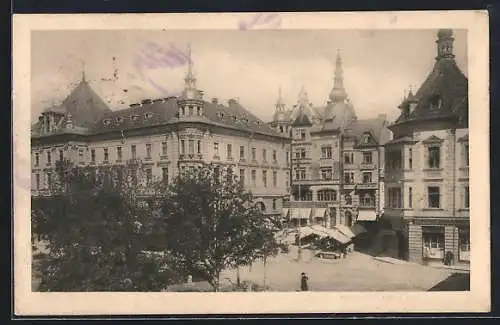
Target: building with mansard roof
(337,160)
(165,135)
(427,166)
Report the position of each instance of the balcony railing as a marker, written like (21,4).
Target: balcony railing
(433,173)
(367,166)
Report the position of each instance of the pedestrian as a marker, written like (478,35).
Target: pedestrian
(303,282)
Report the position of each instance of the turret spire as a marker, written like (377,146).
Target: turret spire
(280,106)
(445,44)
(303,97)
(190,80)
(338,92)
(83,70)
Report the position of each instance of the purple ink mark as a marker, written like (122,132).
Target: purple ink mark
(154,56)
(266,20)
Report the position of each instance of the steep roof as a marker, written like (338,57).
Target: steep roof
(446,85)
(302,120)
(85,106)
(165,110)
(377,127)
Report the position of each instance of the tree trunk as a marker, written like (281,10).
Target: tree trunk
(265,260)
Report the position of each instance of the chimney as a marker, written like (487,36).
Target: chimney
(232,101)
(215,100)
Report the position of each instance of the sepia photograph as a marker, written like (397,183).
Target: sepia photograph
(262,158)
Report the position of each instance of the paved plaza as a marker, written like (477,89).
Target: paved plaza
(357,272)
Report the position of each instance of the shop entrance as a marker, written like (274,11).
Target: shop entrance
(433,243)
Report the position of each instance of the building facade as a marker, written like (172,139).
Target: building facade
(336,159)
(427,165)
(165,135)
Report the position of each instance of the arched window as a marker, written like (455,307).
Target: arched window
(327,195)
(367,200)
(261,206)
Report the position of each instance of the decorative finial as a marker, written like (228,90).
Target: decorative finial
(83,70)
(280,106)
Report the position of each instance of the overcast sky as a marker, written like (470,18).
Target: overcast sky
(250,65)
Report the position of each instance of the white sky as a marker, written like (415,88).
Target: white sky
(250,65)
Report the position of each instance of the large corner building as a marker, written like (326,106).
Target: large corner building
(427,165)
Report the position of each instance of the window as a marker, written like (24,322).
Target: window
(466,155)
(61,155)
(435,103)
(394,195)
(327,195)
(367,158)
(367,200)
(264,155)
(275,157)
(49,158)
(149,176)
(300,173)
(148,150)
(80,155)
(92,155)
(133,150)
(349,158)
(261,206)
(183,147)
(254,176)
(304,195)
(37,179)
(367,177)
(229,175)
(394,159)
(106,155)
(229,151)
(37,158)
(242,177)
(434,197)
(164,148)
(302,135)
(287,179)
(326,152)
(410,197)
(164,174)
(191,146)
(254,154)
(287,157)
(119,153)
(326,174)
(348,199)
(434,157)
(275,179)
(349,177)
(274,204)
(466,197)
(198,146)
(264,178)
(216,149)
(410,158)
(433,241)
(242,152)
(464,243)
(300,153)
(49,180)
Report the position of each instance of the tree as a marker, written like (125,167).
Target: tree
(97,231)
(213,223)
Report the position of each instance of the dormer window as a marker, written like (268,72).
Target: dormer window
(119,119)
(235,117)
(148,116)
(107,122)
(221,115)
(435,103)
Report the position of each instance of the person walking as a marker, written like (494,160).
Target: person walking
(303,282)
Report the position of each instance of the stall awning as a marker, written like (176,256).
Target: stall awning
(346,231)
(307,231)
(284,213)
(319,213)
(332,233)
(302,213)
(367,216)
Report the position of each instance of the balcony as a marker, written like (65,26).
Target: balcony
(367,166)
(350,166)
(191,157)
(367,186)
(434,173)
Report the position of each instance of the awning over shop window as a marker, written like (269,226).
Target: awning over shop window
(358,229)
(367,216)
(284,213)
(346,231)
(319,212)
(302,213)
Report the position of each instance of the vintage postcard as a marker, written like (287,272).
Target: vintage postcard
(251,163)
